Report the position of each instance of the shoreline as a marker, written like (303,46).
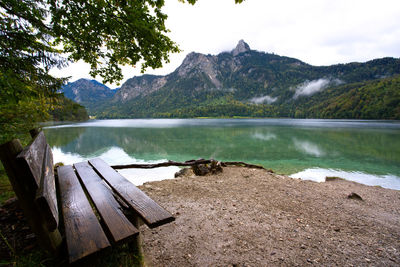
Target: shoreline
(250,217)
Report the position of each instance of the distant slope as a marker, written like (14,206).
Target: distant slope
(67,110)
(246,82)
(377,99)
(87,92)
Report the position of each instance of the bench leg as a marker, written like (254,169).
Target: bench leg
(136,243)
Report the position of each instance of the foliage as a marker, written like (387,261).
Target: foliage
(26,55)
(378,99)
(37,35)
(67,110)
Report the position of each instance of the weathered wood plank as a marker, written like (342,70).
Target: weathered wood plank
(46,197)
(151,212)
(120,228)
(82,229)
(19,178)
(31,158)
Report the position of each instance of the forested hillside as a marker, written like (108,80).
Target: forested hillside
(67,110)
(250,83)
(87,92)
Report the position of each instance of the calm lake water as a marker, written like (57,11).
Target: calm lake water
(363,151)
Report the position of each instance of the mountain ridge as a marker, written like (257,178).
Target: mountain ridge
(242,82)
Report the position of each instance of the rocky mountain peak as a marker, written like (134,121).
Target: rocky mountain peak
(241,47)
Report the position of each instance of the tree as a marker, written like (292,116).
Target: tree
(37,35)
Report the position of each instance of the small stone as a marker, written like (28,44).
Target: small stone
(183,172)
(354,196)
(303,246)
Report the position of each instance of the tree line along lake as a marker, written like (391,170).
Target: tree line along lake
(364,151)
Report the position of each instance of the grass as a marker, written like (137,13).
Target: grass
(124,255)
(6,190)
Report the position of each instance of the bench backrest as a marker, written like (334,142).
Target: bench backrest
(30,171)
(36,162)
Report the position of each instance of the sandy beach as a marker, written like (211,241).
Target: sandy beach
(251,217)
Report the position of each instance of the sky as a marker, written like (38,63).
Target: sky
(318,32)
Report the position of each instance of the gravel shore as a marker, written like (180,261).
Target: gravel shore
(251,217)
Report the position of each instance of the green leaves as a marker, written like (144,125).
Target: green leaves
(37,35)
(107,34)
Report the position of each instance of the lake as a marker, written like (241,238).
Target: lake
(364,151)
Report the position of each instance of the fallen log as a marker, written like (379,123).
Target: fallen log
(241,164)
(169,163)
(188,163)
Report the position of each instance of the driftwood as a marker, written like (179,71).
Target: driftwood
(189,163)
(241,164)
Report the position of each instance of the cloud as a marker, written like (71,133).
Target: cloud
(263,99)
(264,137)
(347,31)
(308,148)
(311,87)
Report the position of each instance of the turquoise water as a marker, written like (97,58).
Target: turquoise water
(364,151)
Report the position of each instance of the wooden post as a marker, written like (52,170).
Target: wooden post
(49,240)
(136,243)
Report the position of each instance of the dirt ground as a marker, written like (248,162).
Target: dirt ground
(250,217)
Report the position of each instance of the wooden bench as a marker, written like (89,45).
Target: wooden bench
(99,207)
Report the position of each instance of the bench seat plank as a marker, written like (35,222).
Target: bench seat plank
(151,213)
(46,197)
(119,226)
(82,229)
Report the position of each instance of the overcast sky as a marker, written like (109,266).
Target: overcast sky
(318,32)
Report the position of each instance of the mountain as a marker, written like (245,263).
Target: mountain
(87,92)
(245,82)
